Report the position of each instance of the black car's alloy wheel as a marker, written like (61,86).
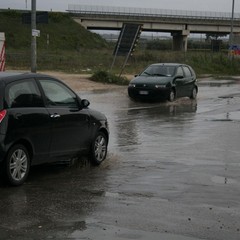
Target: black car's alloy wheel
(171,96)
(99,148)
(194,93)
(17,165)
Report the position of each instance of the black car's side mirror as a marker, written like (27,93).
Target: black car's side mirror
(85,103)
(179,77)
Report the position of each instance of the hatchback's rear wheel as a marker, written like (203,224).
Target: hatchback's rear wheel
(99,148)
(17,165)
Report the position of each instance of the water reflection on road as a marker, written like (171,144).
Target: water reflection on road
(162,130)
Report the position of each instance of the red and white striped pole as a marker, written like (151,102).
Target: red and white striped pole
(2,52)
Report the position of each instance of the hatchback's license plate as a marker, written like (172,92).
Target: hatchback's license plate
(143,92)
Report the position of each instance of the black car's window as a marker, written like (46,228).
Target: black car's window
(58,94)
(179,71)
(156,70)
(187,71)
(24,93)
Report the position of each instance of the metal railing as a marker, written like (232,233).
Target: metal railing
(148,12)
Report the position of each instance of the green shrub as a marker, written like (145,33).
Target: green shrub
(106,77)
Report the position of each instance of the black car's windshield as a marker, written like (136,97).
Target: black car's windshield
(159,70)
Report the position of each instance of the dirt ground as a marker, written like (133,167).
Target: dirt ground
(81,82)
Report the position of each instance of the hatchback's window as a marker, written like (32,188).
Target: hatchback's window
(57,94)
(24,93)
(156,70)
(187,71)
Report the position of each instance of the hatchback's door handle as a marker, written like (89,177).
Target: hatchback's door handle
(55,115)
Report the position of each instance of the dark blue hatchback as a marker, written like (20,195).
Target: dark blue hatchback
(42,120)
(164,81)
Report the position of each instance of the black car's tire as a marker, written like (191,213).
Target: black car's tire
(194,93)
(98,150)
(172,95)
(17,165)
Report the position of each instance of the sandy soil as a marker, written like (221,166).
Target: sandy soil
(80,82)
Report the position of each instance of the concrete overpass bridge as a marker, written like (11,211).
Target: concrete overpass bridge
(177,22)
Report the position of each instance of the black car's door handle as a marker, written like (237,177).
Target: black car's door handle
(55,115)
(17,115)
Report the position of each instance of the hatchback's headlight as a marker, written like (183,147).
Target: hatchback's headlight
(160,86)
(132,85)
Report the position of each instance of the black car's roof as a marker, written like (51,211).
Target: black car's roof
(11,76)
(167,64)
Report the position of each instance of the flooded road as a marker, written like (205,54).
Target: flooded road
(172,173)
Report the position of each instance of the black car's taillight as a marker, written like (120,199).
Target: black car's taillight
(2,114)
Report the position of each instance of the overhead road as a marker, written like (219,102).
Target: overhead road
(179,23)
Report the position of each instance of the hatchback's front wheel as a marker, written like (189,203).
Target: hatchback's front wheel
(99,148)
(17,165)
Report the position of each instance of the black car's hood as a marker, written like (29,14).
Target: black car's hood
(151,80)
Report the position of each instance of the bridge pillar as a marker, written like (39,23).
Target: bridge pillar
(236,38)
(180,40)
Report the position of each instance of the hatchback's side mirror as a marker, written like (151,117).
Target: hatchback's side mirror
(85,103)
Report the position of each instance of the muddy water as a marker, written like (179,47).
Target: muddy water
(172,173)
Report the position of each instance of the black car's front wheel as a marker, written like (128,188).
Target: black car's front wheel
(194,93)
(172,95)
(99,148)
(17,165)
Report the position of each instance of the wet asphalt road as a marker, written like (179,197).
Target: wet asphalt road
(172,173)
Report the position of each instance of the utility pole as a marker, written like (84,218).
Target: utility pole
(231,35)
(34,39)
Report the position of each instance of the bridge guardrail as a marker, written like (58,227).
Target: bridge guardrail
(149,12)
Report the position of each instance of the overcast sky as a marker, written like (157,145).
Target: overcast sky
(193,5)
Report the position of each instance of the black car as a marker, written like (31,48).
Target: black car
(41,121)
(166,81)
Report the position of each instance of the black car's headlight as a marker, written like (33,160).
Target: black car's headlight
(132,85)
(160,86)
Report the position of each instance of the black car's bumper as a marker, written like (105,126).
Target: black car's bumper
(3,149)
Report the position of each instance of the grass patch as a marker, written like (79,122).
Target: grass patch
(83,61)
(61,32)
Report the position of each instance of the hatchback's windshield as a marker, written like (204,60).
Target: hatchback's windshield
(159,70)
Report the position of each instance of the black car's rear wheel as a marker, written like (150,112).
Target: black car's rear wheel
(99,148)
(17,165)
(194,93)
(172,95)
